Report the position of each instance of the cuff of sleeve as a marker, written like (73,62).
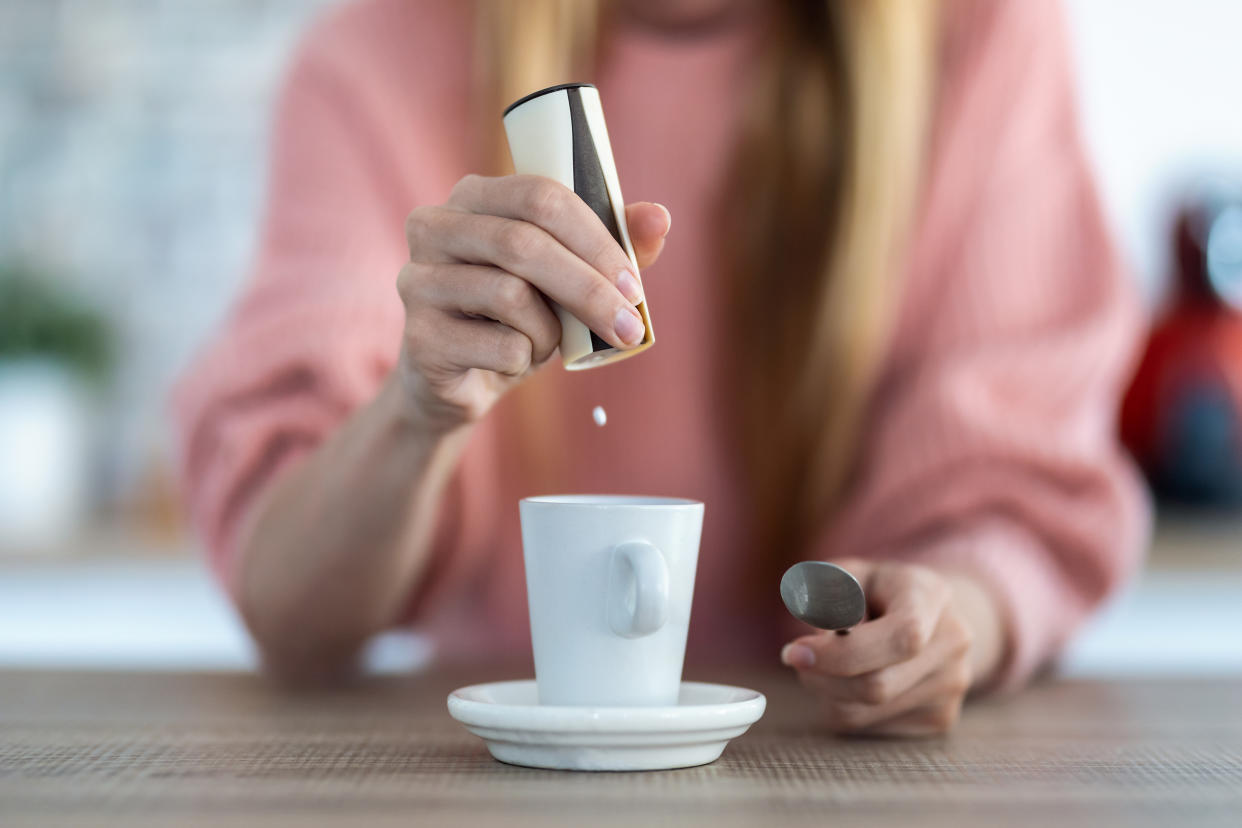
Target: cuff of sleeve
(1037,607)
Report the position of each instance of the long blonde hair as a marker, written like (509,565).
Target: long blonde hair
(827,172)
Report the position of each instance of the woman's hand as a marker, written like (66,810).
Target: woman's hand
(906,670)
(480,267)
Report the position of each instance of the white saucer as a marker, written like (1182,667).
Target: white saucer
(519,731)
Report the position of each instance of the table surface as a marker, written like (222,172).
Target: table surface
(157,748)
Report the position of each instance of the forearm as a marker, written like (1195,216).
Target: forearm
(333,549)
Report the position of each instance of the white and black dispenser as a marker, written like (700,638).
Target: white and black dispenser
(559,132)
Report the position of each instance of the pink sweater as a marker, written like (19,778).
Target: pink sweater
(990,445)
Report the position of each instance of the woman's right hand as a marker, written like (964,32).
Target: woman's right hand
(481,265)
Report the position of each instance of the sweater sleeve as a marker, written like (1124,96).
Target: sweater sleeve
(319,324)
(991,445)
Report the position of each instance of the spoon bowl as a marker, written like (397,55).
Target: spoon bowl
(823,595)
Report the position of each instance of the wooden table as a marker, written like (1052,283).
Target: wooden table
(162,749)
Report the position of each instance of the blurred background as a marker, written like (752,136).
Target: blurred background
(132,154)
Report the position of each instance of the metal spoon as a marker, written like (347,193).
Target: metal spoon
(823,595)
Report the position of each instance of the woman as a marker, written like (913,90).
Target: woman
(891,331)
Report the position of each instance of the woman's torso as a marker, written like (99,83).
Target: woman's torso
(671,105)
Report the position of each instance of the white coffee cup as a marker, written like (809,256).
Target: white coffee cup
(609,581)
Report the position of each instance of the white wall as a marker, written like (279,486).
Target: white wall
(1161,95)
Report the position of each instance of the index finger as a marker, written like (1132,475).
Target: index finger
(559,211)
(528,251)
(910,604)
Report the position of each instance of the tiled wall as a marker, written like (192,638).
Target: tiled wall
(132,148)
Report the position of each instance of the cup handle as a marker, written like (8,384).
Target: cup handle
(637,599)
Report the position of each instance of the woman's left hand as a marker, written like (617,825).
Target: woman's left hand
(930,637)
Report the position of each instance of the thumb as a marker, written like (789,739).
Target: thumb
(648,224)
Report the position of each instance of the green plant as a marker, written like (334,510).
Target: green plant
(38,318)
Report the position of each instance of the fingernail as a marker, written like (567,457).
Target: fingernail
(629,326)
(668,218)
(629,287)
(798,656)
